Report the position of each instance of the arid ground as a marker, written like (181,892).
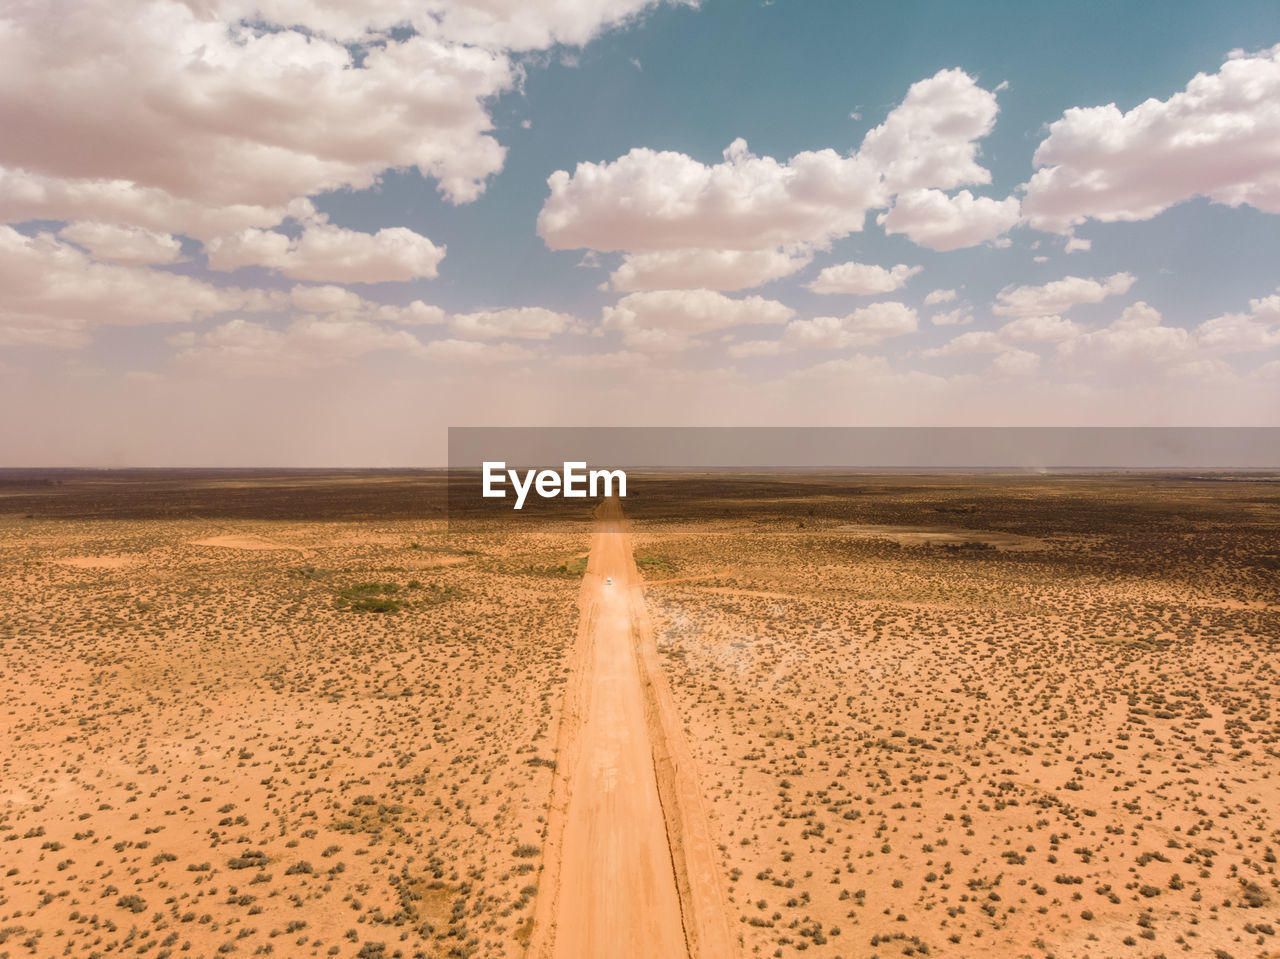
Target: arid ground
(303,714)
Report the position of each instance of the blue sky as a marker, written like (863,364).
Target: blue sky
(194,199)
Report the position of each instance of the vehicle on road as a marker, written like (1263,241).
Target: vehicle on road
(608,580)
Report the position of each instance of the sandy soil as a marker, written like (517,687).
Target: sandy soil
(211,750)
(629,870)
(397,739)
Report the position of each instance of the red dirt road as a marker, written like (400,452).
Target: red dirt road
(629,867)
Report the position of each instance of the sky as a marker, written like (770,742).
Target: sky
(319,232)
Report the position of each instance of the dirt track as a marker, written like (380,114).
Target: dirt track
(629,867)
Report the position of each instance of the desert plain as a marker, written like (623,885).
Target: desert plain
(295,713)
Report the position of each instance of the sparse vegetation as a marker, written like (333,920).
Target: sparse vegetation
(1054,733)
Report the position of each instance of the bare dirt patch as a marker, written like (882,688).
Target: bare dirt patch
(948,536)
(97,562)
(239,541)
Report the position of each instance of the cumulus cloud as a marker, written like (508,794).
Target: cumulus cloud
(46,283)
(932,219)
(192,100)
(32,196)
(241,347)
(874,324)
(866,326)
(1259,329)
(493,24)
(1007,360)
(1060,295)
(1138,339)
(648,201)
(957,317)
(970,343)
(337,300)
(939,296)
(863,278)
(669,320)
(416,313)
(930,139)
(206,118)
(1040,329)
(529,322)
(1219,138)
(705,269)
(1015,363)
(325,299)
(870,374)
(323,252)
(130,245)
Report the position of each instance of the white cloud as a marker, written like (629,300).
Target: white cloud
(1015,363)
(46,283)
(330,299)
(529,322)
(863,278)
(31,196)
(1259,329)
(648,201)
(416,313)
(931,218)
(494,24)
(939,296)
(705,269)
(1040,329)
(957,317)
(658,341)
(865,326)
(1077,244)
(191,100)
(129,245)
(327,253)
(325,299)
(819,333)
(871,375)
(667,320)
(1218,138)
(208,117)
(930,139)
(240,347)
(752,348)
(1004,341)
(971,343)
(1138,339)
(1136,343)
(1060,295)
